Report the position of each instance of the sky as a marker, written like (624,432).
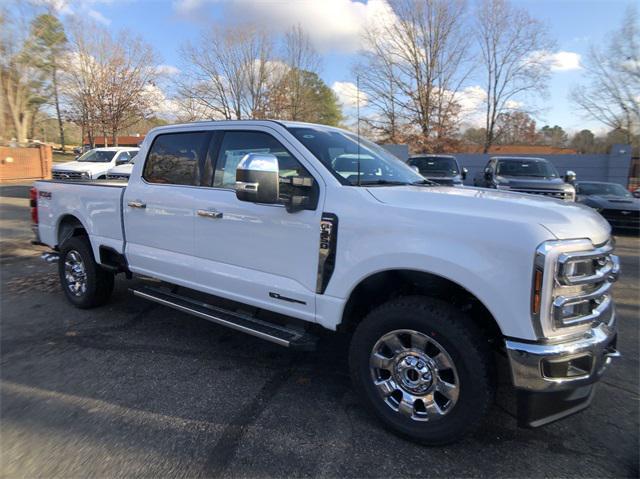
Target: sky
(334,27)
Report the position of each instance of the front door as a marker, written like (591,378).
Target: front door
(255,253)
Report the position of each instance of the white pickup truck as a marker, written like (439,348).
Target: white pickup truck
(277,229)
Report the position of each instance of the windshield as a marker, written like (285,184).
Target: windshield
(538,168)
(97,156)
(603,189)
(338,151)
(436,165)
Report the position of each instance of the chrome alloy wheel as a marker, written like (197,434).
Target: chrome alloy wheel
(414,375)
(75,273)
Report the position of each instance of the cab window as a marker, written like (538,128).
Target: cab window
(179,159)
(236,144)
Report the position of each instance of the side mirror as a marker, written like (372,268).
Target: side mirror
(570,176)
(415,168)
(257,179)
(487,173)
(122,161)
(464,173)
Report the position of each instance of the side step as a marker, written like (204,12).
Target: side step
(290,338)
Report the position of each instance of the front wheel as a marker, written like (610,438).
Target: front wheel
(423,368)
(84,282)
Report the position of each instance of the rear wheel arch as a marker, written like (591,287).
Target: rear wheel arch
(68,227)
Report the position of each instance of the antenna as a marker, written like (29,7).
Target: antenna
(358,121)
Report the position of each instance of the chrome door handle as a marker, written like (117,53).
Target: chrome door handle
(210,214)
(136,204)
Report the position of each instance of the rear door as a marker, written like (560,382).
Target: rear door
(256,253)
(158,207)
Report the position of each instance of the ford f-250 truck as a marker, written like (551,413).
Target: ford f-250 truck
(260,226)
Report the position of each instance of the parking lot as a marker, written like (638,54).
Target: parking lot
(137,389)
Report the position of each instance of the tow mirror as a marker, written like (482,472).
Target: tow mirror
(257,179)
(464,174)
(415,168)
(487,173)
(570,176)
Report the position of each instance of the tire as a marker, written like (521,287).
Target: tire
(98,283)
(429,326)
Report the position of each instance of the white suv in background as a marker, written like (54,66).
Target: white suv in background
(94,164)
(122,171)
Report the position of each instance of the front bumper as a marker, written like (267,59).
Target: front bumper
(554,380)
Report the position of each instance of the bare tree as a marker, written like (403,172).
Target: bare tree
(414,65)
(379,78)
(22,84)
(514,52)
(227,72)
(612,95)
(290,99)
(108,82)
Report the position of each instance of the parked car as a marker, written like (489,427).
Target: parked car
(614,202)
(121,172)
(94,164)
(526,175)
(433,284)
(441,169)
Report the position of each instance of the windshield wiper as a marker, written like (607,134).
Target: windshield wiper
(384,182)
(425,182)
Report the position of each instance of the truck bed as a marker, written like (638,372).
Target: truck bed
(96,204)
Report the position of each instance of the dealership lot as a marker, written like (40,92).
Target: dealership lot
(134,388)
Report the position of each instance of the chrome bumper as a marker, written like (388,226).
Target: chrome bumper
(562,366)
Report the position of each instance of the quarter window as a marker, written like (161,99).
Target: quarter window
(179,159)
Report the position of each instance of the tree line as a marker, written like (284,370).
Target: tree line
(414,70)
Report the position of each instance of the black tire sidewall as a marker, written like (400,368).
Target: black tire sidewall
(455,333)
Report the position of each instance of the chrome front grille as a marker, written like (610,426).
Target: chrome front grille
(118,176)
(559,194)
(66,175)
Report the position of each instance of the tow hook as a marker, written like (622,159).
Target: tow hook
(50,257)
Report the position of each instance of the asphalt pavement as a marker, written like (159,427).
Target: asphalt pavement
(137,389)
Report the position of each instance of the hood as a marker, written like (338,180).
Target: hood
(532,182)
(564,220)
(611,202)
(125,169)
(81,166)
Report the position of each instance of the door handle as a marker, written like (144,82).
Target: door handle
(136,204)
(210,214)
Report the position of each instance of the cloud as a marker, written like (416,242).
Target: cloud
(99,17)
(347,94)
(558,61)
(330,24)
(167,70)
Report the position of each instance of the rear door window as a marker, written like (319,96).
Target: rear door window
(179,159)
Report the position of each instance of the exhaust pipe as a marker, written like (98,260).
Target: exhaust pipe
(51,257)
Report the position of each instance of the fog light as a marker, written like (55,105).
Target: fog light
(567,368)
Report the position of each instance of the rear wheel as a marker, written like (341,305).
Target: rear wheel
(84,282)
(422,367)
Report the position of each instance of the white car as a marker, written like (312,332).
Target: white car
(438,287)
(94,164)
(121,172)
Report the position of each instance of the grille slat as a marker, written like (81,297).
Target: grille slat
(559,194)
(66,175)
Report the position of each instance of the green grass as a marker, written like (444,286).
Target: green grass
(59,157)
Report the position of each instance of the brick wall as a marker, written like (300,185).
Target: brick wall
(25,163)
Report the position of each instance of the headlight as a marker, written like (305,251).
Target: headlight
(571,286)
(85,175)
